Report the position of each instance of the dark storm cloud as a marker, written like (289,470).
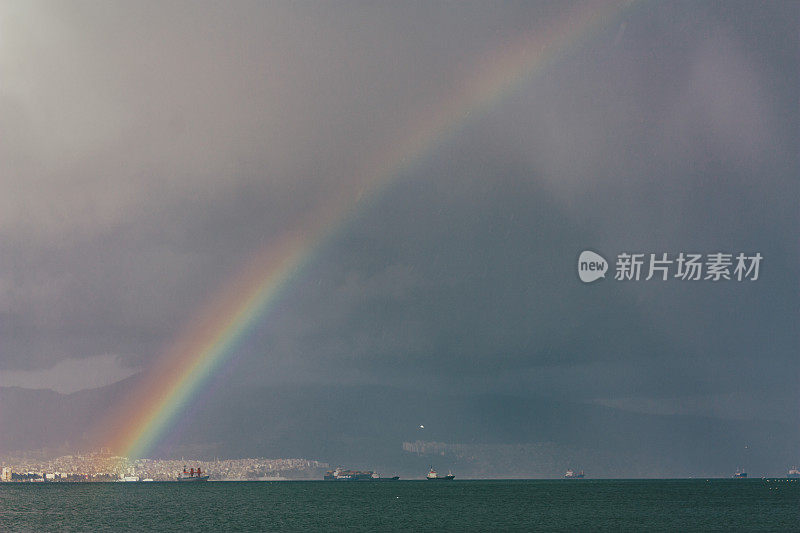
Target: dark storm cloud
(152,148)
(646,143)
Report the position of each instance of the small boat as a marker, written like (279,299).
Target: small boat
(192,475)
(571,474)
(740,474)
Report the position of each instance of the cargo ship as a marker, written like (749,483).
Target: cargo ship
(574,475)
(793,472)
(192,475)
(355,475)
(434,476)
(740,474)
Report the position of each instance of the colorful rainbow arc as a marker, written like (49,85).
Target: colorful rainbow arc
(213,338)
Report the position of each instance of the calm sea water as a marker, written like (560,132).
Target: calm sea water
(562,505)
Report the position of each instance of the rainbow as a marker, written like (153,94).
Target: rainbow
(212,338)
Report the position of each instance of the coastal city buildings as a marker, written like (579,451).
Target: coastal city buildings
(103,466)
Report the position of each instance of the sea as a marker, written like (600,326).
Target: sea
(460,505)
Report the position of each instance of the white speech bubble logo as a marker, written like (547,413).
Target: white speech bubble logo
(591,266)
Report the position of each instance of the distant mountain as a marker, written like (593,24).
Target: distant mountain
(45,420)
(365,427)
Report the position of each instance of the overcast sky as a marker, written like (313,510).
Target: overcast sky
(148,149)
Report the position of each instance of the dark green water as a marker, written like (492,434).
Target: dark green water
(557,505)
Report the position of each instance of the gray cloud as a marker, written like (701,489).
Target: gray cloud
(148,150)
(71,375)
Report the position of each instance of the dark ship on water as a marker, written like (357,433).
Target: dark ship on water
(433,475)
(571,474)
(192,475)
(356,475)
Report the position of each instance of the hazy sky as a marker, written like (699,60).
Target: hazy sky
(148,149)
